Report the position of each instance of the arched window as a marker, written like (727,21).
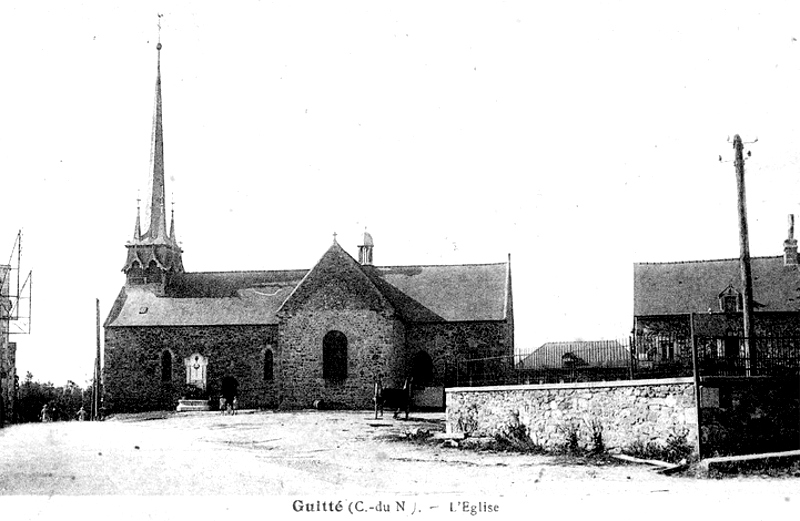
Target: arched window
(136,273)
(153,273)
(334,356)
(166,366)
(268,375)
(422,369)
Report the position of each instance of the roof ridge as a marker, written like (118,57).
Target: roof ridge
(443,265)
(707,260)
(373,266)
(240,271)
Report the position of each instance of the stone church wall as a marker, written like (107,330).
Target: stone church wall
(375,345)
(132,367)
(449,343)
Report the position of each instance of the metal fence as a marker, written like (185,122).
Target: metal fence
(633,358)
(761,356)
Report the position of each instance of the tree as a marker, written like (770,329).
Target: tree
(63,402)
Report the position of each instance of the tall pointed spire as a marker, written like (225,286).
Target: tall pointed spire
(154,256)
(158,214)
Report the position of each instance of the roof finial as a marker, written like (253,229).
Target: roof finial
(158,45)
(334,237)
(137,231)
(172,220)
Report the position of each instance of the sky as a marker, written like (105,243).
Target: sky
(580,138)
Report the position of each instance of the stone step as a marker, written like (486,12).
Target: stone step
(193,405)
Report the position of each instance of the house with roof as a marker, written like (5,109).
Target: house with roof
(290,338)
(748,390)
(581,360)
(576,354)
(668,294)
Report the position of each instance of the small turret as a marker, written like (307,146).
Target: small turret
(790,245)
(365,250)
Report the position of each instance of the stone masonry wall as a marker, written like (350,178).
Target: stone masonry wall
(132,366)
(627,411)
(448,343)
(749,415)
(375,346)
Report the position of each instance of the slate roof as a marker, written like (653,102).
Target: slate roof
(217,284)
(418,293)
(595,353)
(207,299)
(684,287)
(460,292)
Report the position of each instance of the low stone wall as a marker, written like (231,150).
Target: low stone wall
(628,412)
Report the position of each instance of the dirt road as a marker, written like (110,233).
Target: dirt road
(326,456)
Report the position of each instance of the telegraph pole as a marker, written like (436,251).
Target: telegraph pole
(744,254)
(96,383)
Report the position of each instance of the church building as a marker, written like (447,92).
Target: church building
(290,338)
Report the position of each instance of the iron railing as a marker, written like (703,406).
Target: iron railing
(634,358)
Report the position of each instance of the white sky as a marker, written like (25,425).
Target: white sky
(579,137)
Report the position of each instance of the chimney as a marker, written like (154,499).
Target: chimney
(790,245)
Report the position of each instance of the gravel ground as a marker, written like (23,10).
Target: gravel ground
(309,456)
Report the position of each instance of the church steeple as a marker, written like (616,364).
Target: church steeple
(154,254)
(158,213)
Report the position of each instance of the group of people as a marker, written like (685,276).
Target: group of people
(50,413)
(228,405)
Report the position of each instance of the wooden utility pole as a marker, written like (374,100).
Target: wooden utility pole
(744,255)
(96,383)
(697,387)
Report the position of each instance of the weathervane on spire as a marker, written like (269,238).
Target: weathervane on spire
(158,45)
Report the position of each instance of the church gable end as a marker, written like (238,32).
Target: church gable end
(335,283)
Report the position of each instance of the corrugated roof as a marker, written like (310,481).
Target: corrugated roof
(694,287)
(589,353)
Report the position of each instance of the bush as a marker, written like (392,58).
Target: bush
(571,432)
(467,421)
(675,449)
(515,435)
(596,429)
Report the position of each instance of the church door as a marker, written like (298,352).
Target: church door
(422,369)
(230,388)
